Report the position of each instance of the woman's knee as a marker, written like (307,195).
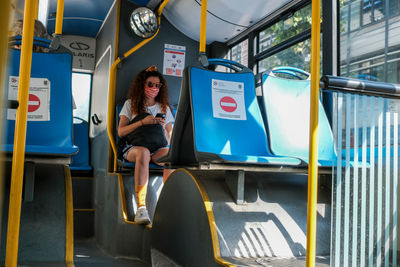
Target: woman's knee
(139,155)
(143,155)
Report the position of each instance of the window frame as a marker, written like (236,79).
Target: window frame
(254,56)
(90,92)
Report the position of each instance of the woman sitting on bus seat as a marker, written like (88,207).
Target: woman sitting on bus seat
(147,93)
(39,31)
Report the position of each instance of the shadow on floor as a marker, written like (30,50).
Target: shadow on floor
(87,253)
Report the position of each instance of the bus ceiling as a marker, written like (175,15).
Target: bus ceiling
(226,19)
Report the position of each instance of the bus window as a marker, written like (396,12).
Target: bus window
(361,56)
(239,52)
(284,43)
(285,29)
(298,55)
(81,83)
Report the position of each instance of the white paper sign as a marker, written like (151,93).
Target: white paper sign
(83,50)
(38,101)
(174,60)
(228,100)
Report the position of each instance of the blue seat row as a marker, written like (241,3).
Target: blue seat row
(219,121)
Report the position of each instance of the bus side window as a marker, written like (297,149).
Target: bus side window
(81,84)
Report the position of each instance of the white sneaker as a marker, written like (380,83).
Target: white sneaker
(141,216)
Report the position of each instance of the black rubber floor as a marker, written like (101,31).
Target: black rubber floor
(87,253)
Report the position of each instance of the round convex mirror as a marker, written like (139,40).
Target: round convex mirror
(144,22)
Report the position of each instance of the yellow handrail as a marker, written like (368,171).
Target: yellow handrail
(112,82)
(5,14)
(110,150)
(313,156)
(59,17)
(36,8)
(69,219)
(17,171)
(203,26)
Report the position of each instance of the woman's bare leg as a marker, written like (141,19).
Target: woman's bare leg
(141,157)
(158,154)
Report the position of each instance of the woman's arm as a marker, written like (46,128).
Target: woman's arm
(168,131)
(124,128)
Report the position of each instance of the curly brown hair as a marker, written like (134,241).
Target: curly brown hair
(137,96)
(39,31)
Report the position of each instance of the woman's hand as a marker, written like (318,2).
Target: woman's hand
(149,120)
(153,120)
(160,121)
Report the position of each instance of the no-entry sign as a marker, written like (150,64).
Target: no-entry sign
(228,104)
(228,100)
(38,98)
(34,103)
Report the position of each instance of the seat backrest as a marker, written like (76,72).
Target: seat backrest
(181,150)
(49,126)
(287,107)
(218,120)
(226,115)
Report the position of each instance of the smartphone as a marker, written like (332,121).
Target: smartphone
(161,115)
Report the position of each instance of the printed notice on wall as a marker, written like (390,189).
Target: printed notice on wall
(38,100)
(174,60)
(228,100)
(83,50)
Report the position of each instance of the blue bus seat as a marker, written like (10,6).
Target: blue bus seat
(80,161)
(219,121)
(287,106)
(123,163)
(52,137)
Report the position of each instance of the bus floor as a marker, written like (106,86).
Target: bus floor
(320,261)
(87,253)
(268,229)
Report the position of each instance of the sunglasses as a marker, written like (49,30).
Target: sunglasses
(151,85)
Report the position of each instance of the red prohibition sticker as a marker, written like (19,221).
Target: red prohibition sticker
(33,103)
(228,104)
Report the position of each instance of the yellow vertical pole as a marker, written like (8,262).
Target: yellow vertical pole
(5,14)
(313,155)
(69,219)
(203,26)
(17,171)
(36,8)
(113,71)
(59,17)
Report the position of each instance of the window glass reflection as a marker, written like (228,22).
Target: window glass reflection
(298,56)
(81,84)
(285,29)
(366,34)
